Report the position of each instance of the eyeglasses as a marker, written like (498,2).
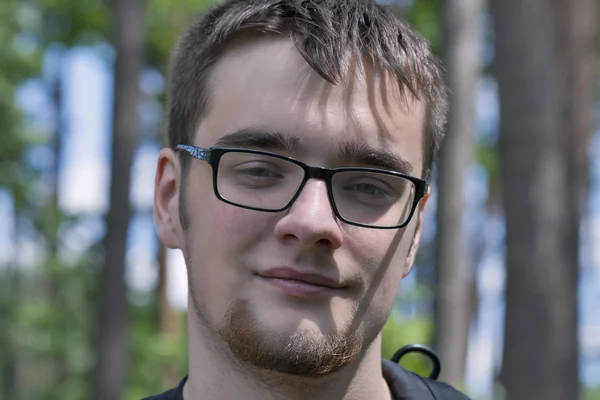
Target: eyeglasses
(269,182)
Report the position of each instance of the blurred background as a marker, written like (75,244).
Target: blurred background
(506,287)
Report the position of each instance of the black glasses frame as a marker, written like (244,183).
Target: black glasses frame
(213,155)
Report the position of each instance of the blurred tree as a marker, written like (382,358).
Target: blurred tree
(48,308)
(16,65)
(578,42)
(544,66)
(52,217)
(424,16)
(72,23)
(112,357)
(165,22)
(48,360)
(454,272)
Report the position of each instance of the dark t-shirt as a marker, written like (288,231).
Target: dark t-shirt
(403,384)
(173,394)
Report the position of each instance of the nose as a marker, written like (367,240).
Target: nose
(311,221)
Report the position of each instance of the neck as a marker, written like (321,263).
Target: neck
(214,374)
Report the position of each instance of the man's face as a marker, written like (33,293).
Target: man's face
(278,324)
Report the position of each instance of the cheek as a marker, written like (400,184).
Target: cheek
(219,239)
(237,229)
(382,256)
(222,235)
(215,224)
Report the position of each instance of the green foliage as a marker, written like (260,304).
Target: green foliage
(151,353)
(165,21)
(591,393)
(73,22)
(398,333)
(16,65)
(45,331)
(423,15)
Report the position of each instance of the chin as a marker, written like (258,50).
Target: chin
(305,328)
(317,321)
(288,344)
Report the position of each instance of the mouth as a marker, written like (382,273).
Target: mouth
(300,283)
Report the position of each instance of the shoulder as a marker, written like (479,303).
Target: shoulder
(406,385)
(173,394)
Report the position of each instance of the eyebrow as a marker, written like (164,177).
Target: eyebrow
(350,152)
(355,152)
(262,139)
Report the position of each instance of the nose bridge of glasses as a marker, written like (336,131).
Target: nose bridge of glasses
(320,173)
(317,173)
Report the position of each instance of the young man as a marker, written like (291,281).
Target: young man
(302,134)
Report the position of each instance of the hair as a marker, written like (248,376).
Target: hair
(324,32)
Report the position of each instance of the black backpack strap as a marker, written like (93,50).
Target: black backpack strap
(443,391)
(404,384)
(422,349)
(407,385)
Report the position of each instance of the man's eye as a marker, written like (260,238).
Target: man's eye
(367,189)
(260,172)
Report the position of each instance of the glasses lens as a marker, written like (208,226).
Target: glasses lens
(257,180)
(373,198)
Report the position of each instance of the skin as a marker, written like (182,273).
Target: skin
(226,246)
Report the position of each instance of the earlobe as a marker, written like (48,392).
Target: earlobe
(424,199)
(166,199)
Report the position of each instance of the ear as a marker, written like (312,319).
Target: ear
(166,199)
(414,246)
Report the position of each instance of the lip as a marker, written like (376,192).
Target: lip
(300,283)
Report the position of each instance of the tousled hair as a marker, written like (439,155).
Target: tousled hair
(324,32)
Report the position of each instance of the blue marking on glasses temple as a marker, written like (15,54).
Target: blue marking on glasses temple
(201,154)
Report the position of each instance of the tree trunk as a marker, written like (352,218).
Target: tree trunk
(112,350)
(10,297)
(545,113)
(59,362)
(578,54)
(454,270)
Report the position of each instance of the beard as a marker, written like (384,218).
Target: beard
(303,354)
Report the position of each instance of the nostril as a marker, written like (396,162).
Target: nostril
(324,241)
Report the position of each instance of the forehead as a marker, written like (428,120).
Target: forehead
(266,84)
